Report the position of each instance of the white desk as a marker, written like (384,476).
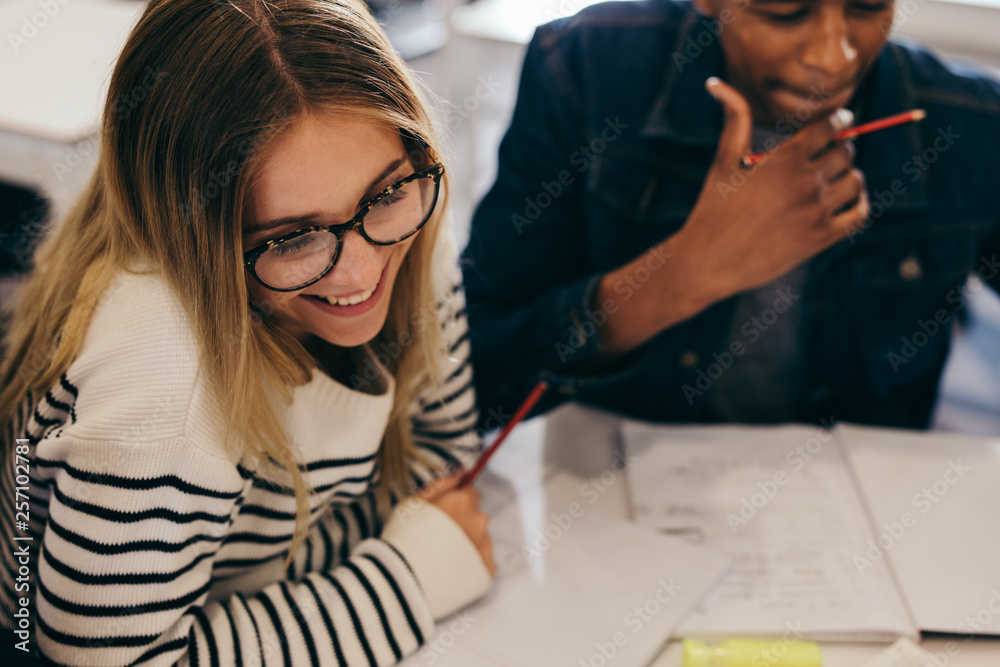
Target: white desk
(580,442)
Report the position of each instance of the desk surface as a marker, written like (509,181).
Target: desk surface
(580,442)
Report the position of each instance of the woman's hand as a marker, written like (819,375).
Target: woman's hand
(462,505)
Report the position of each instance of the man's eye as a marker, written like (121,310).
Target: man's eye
(788,18)
(870,7)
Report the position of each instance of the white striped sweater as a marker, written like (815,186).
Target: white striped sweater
(153,546)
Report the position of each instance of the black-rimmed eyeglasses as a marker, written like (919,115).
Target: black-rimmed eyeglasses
(301,258)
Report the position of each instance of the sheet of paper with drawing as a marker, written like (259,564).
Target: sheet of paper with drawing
(781,503)
(571,585)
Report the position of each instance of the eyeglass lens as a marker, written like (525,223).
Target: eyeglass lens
(299,260)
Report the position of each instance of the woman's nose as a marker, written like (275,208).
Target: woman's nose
(359,265)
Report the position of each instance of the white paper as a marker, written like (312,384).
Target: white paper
(904,653)
(934,499)
(781,503)
(585,586)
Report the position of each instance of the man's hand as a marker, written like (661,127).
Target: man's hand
(802,198)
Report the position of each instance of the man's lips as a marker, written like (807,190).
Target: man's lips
(813,99)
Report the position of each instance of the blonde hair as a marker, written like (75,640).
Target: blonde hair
(200,92)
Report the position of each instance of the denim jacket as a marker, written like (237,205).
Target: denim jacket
(608,149)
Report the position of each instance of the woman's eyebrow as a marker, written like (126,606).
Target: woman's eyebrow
(314,216)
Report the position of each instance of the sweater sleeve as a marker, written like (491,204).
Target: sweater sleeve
(128,552)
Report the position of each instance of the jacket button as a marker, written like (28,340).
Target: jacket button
(910,269)
(689,359)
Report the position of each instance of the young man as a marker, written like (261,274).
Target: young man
(626,255)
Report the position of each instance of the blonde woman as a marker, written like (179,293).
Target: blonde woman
(233,362)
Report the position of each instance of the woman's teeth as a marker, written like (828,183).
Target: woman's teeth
(351,300)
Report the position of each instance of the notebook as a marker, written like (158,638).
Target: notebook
(816,524)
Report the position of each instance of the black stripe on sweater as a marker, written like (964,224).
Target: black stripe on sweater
(129,578)
(43,421)
(373,596)
(136,484)
(345,536)
(443,453)
(328,622)
(65,639)
(324,532)
(455,373)
(337,463)
(445,435)
(399,597)
(173,645)
(55,403)
(352,612)
(461,339)
(301,622)
(133,517)
(237,648)
(272,613)
(206,629)
(193,647)
(253,621)
(437,405)
(127,547)
(279,489)
(364,529)
(98,611)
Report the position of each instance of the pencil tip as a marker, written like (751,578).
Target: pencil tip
(918,114)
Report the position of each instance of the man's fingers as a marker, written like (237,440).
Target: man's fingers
(853,219)
(844,192)
(815,138)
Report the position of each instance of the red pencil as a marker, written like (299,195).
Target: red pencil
(851,132)
(519,415)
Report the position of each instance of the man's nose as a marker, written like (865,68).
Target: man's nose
(830,49)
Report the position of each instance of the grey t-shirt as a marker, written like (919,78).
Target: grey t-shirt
(762,384)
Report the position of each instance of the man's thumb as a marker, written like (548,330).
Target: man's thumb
(737,126)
